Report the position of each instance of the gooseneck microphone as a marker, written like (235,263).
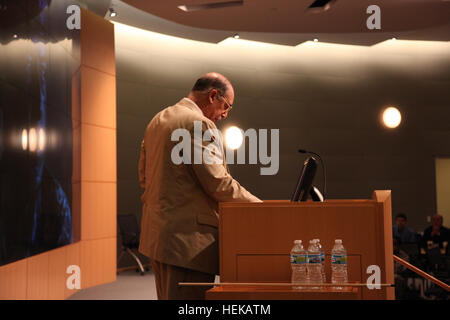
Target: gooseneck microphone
(323,167)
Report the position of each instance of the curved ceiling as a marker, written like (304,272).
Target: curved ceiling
(289,22)
(295,16)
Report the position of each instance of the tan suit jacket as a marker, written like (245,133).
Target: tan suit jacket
(179,223)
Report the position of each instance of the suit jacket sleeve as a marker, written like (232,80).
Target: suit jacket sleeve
(142,166)
(216,180)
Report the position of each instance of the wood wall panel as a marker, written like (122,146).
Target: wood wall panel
(98,262)
(98,203)
(97,43)
(13,280)
(98,159)
(57,273)
(76,212)
(37,275)
(76,98)
(97,99)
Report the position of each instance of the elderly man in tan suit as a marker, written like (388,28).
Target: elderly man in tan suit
(179,226)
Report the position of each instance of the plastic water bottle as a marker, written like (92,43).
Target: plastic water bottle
(298,264)
(322,260)
(339,264)
(314,265)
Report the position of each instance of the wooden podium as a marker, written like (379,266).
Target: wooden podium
(256,239)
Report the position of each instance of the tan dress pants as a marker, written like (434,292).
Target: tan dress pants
(167,278)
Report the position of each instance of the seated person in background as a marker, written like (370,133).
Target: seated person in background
(401,231)
(436,235)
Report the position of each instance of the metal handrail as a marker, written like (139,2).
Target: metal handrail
(422,273)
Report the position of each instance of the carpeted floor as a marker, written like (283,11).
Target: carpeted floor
(129,285)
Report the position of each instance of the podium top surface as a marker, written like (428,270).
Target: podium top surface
(288,203)
(377,197)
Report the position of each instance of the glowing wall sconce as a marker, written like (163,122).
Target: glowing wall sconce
(392,117)
(233,137)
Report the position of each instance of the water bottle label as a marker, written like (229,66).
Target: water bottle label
(298,259)
(314,258)
(338,259)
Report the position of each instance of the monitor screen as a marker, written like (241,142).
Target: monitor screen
(305,181)
(39,57)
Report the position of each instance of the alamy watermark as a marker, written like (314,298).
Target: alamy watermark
(374,20)
(74,20)
(74,280)
(208,148)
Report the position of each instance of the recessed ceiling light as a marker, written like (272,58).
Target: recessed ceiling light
(112,13)
(316,40)
(321,5)
(207,6)
(394,39)
(236,36)
(15,36)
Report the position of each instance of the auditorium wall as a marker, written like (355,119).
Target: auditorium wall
(322,97)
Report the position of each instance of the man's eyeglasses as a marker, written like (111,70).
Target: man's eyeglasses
(229,106)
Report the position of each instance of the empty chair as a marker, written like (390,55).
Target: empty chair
(129,231)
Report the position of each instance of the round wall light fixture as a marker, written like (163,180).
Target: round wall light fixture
(233,137)
(392,117)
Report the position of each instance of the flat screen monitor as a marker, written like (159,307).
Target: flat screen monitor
(305,181)
(39,127)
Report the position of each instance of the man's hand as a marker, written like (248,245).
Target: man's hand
(435,231)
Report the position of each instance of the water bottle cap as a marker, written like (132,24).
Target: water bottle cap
(338,241)
(297,241)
